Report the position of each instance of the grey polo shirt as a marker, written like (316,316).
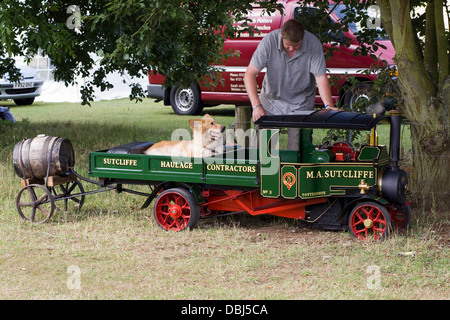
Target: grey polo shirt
(289,84)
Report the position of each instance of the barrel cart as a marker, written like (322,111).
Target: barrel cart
(333,186)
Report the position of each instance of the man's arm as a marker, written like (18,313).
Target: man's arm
(252,91)
(325,91)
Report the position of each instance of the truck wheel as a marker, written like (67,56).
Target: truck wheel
(358,99)
(176,209)
(24,102)
(369,220)
(186,101)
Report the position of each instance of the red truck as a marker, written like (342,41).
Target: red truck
(343,64)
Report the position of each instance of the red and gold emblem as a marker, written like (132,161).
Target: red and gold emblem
(289,180)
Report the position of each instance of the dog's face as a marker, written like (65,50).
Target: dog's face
(210,129)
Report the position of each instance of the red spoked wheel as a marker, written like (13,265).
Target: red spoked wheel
(176,209)
(369,220)
(400,215)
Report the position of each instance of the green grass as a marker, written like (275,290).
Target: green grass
(120,253)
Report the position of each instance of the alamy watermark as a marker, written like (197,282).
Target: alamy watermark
(74,21)
(225,151)
(374,14)
(74,280)
(374,279)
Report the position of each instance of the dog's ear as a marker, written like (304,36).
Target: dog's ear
(207,116)
(192,122)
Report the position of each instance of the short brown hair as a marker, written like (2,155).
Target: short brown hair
(293,31)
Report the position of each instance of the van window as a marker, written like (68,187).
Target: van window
(340,12)
(324,24)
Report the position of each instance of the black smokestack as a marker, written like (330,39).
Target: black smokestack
(396,120)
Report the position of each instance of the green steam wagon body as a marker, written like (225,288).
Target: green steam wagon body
(335,186)
(331,186)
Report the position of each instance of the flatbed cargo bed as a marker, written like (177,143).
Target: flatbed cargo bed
(232,168)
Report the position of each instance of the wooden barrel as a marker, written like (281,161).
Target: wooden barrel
(35,156)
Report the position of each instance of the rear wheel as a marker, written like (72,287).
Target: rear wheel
(369,220)
(35,203)
(400,216)
(186,101)
(358,99)
(176,209)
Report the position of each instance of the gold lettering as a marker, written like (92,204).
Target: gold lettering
(230,168)
(332,174)
(176,165)
(312,194)
(120,162)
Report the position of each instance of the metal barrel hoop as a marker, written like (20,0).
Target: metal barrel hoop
(49,161)
(22,164)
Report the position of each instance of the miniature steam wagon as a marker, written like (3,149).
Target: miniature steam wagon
(332,186)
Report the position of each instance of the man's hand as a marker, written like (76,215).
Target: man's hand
(333,108)
(258,112)
(325,92)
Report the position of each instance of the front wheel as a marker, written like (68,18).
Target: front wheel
(176,209)
(186,101)
(369,220)
(24,101)
(72,193)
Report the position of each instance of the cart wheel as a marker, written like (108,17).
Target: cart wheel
(400,215)
(369,220)
(74,191)
(35,203)
(176,209)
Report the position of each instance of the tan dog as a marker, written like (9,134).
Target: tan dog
(207,141)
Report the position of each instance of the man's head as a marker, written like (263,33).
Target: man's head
(292,35)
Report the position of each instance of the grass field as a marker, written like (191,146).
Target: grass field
(113,250)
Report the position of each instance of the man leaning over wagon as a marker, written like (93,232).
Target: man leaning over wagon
(295,63)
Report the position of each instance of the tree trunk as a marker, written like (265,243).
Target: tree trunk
(425,105)
(428,116)
(430,155)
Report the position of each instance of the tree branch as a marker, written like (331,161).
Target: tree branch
(385,15)
(430,46)
(441,41)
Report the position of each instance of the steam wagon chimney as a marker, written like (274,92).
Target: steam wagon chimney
(396,119)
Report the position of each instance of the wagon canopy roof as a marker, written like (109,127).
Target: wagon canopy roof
(326,119)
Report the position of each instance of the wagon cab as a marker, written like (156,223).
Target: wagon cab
(336,169)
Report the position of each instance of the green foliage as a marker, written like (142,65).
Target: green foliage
(351,13)
(180,39)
